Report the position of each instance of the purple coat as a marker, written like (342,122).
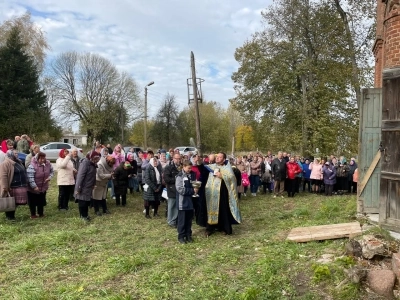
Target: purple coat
(329,174)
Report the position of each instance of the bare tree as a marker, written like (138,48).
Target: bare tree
(89,89)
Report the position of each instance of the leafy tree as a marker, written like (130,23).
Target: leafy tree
(295,79)
(33,38)
(244,138)
(214,126)
(23,107)
(136,133)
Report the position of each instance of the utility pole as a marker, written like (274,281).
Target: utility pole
(145,115)
(122,123)
(196,102)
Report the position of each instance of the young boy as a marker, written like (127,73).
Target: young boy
(184,193)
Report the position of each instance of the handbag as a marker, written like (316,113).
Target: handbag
(245,180)
(266,177)
(7,203)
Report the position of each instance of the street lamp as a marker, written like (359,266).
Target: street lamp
(145,114)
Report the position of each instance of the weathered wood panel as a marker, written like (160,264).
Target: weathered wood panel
(390,163)
(370,138)
(324,232)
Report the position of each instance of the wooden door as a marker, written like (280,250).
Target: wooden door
(370,138)
(390,162)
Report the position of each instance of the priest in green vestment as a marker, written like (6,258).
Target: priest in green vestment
(221,197)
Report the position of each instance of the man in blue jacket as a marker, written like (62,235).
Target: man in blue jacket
(306,175)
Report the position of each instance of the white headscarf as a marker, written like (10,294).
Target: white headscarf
(158,176)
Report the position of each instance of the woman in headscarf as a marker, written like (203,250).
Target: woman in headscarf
(163,160)
(120,180)
(65,178)
(7,145)
(85,183)
(103,175)
(133,182)
(13,181)
(33,151)
(119,157)
(329,175)
(104,152)
(152,193)
(40,172)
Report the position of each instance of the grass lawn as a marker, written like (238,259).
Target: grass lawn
(125,256)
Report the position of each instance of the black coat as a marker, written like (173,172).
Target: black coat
(278,169)
(169,175)
(120,180)
(150,178)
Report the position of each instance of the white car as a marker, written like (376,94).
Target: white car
(186,150)
(52,149)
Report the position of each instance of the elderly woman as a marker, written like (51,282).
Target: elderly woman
(316,175)
(85,183)
(7,145)
(119,158)
(133,182)
(40,172)
(163,160)
(103,175)
(33,151)
(153,190)
(13,181)
(329,175)
(65,178)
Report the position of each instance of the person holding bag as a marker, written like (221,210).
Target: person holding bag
(13,181)
(40,172)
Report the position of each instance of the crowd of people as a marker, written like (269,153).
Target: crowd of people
(205,189)
(87,182)
(284,173)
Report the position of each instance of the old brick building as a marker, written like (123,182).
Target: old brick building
(386,104)
(387,44)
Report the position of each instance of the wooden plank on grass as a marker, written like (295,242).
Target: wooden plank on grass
(323,232)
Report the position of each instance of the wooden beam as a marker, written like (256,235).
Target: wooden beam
(324,232)
(368,174)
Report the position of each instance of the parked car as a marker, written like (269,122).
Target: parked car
(135,149)
(53,149)
(185,150)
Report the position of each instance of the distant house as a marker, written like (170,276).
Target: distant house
(75,139)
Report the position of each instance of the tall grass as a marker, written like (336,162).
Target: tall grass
(125,256)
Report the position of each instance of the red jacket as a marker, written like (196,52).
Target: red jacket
(292,168)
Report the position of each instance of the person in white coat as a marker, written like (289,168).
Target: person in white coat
(65,179)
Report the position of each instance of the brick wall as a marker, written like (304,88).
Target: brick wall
(391,25)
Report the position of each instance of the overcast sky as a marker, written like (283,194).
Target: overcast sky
(152,39)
